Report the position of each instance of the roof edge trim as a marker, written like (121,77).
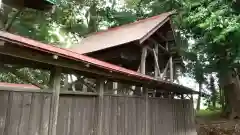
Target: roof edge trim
(145,37)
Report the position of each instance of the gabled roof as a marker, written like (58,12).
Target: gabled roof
(107,68)
(112,37)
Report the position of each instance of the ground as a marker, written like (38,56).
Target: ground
(211,123)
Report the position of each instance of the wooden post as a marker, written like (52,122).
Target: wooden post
(56,79)
(100,88)
(165,70)
(157,71)
(143,60)
(171,68)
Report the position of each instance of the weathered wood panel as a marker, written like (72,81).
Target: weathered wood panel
(171,117)
(24,113)
(28,113)
(124,116)
(77,115)
(3,111)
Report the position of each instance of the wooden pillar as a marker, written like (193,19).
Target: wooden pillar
(100,89)
(143,60)
(55,86)
(182,96)
(157,71)
(171,68)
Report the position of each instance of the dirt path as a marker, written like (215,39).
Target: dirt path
(215,125)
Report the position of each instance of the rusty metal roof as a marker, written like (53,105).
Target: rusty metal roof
(121,35)
(4,86)
(101,65)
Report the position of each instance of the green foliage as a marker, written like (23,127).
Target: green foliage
(216,28)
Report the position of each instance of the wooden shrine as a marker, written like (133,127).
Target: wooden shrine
(147,46)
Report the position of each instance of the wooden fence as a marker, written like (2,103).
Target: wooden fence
(28,113)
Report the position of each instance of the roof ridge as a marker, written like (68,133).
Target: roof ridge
(132,23)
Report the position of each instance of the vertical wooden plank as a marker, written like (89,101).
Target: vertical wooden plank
(174,116)
(55,100)
(14,113)
(114,112)
(151,116)
(100,88)
(35,114)
(146,109)
(74,117)
(121,115)
(88,118)
(26,106)
(62,116)
(126,116)
(69,117)
(157,117)
(138,118)
(45,112)
(107,115)
(171,115)
(144,115)
(79,118)
(168,117)
(94,112)
(66,116)
(130,116)
(118,116)
(3,111)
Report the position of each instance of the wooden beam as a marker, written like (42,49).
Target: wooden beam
(73,85)
(167,46)
(55,101)
(100,88)
(171,68)
(149,49)
(165,70)
(157,71)
(162,37)
(143,60)
(44,59)
(160,46)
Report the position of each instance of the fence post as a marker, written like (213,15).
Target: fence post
(100,89)
(55,86)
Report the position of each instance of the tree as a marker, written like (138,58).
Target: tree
(214,95)
(215,26)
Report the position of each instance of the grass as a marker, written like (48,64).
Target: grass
(209,114)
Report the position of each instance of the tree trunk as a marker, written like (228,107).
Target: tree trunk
(199,97)
(221,97)
(231,93)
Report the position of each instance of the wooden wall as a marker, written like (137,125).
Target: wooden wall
(77,115)
(171,117)
(27,113)
(24,113)
(124,116)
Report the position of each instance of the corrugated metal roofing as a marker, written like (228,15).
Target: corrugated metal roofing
(120,35)
(68,54)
